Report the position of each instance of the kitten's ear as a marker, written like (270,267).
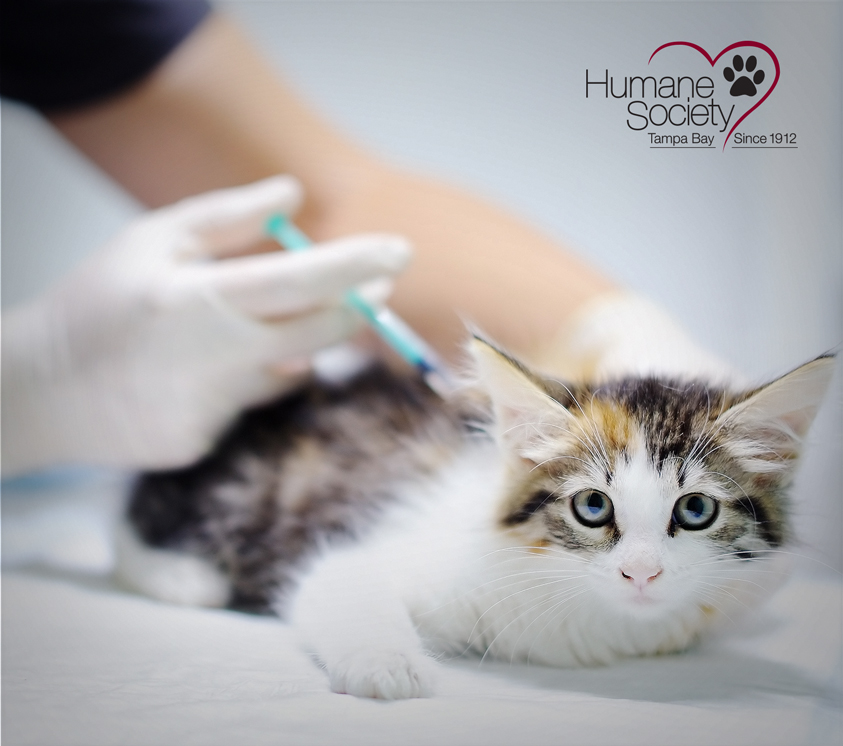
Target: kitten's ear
(527,418)
(770,423)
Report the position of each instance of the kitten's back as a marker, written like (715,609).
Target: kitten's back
(313,467)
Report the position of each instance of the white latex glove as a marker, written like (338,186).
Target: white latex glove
(142,356)
(620,334)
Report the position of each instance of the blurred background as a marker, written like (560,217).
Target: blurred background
(744,246)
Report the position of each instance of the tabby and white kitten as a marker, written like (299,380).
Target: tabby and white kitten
(576,524)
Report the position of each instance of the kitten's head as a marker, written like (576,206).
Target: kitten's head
(674,491)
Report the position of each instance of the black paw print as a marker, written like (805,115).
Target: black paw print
(743,86)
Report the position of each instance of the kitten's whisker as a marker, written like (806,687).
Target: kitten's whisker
(706,437)
(726,476)
(735,556)
(559,458)
(565,430)
(560,570)
(738,564)
(589,445)
(722,590)
(712,600)
(528,588)
(520,616)
(565,552)
(531,552)
(596,431)
(711,450)
(731,554)
(797,554)
(535,574)
(768,551)
(760,449)
(554,608)
(512,595)
(703,437)
(738,580)
(702,434)
(557,574)
(570,393)
(520,613)
(516,582)
(550,610)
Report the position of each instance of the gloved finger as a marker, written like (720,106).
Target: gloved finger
(266,359)
(226,220)
(375,292)
(282,284)
(301,336)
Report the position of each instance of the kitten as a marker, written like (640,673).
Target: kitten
(570,525)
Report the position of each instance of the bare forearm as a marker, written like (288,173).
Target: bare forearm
(215,114)
(474,262)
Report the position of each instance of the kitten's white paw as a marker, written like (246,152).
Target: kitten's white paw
(384,674)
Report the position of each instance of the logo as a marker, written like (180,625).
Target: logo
(688,99)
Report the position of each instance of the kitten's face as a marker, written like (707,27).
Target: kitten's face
(673,493)
(651,527)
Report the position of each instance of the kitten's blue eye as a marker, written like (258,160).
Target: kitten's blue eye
(592,508)
(695,511)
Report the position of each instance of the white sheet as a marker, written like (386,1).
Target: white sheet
(85,663)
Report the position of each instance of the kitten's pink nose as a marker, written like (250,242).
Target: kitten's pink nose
(640,576)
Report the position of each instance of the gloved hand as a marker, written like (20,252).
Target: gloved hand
(620,334)
(144,354)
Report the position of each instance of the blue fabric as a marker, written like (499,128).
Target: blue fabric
(61,54)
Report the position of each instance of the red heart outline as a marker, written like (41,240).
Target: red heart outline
(737,44)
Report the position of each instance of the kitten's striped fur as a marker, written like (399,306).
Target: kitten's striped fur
(385,522)
(314,467)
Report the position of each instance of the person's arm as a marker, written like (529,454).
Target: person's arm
(215,114)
